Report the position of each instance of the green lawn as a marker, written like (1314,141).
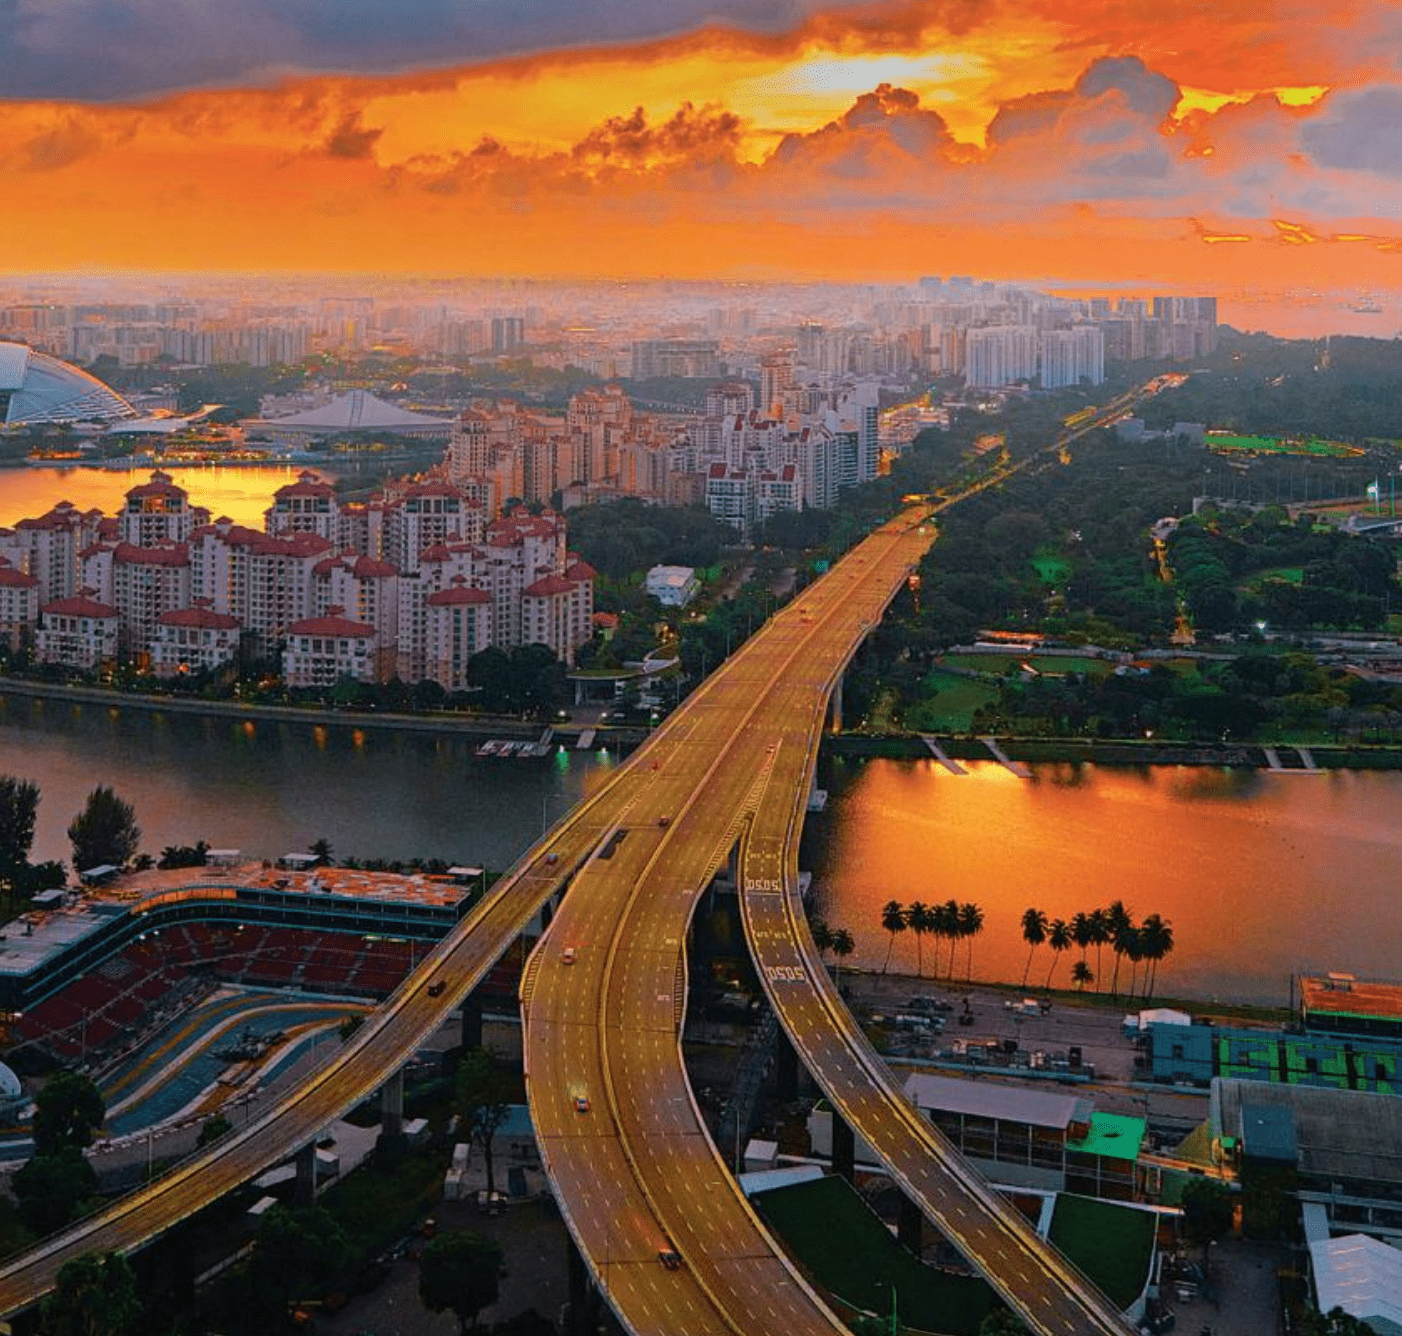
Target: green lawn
(949,707)
(1315,446)
(1050,567)
(1112,1244)
(1290,574)
(846,1250)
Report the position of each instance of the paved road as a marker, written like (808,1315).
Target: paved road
(636,1172)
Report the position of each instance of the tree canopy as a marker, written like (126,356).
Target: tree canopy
(296,1255)
(459,1272)
(93,1296)
(67,1112)
(482,1100)
(19,803)
(104,832)
(52,1189)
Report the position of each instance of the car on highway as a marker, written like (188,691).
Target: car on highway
(581,1103)
(435,989)
(567,956)
(664,821)
(669,1257)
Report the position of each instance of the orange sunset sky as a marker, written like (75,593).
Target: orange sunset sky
(1190,142)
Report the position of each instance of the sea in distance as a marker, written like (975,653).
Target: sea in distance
(1260,874)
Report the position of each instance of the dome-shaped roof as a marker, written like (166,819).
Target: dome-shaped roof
(35,387)
(10,1087)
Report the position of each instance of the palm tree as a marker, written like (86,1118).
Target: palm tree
(1119,925)
(893,919)
(970,925)
(1059,939)
(1156,941)
(949,917)
(1034,933)
(1080,931)
(822,936)
(842,947)
(1099,935)
(917,919)
(1081,974)
(1134,949)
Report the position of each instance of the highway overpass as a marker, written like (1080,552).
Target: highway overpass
(624,1143)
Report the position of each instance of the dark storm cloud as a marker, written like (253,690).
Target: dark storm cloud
(111,50)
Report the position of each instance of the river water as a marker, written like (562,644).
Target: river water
(1259,874)
(243,494)
(270,788)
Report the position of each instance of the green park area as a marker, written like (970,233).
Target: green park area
(949,703)
(1315,447)
(847,1251)
(1050,566)
(1112,1244)
(1289,574)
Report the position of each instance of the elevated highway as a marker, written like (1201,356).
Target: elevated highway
(632,1165)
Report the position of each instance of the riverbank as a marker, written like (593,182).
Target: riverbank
(1032,751)
(469,727)
(1123,752)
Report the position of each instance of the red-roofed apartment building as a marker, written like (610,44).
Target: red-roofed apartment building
(458,624)
(367,591)
(77,632)
(19,606)
(158,512)
(193,640)
(322,650)
(52,544)
(264,581)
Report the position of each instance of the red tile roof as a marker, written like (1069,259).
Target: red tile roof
(79,605)
(168,554)
(459,594)
(548,585)
(340,627)
(202,618)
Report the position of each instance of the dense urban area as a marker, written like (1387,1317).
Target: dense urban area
(548,516)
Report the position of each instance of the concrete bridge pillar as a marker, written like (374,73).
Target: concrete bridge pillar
(472,1021)
(844,1148)
(910,1227)
(584,1298)
(392,1106)
(835,707)
(305,1163)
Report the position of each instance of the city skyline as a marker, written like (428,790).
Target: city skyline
(1030,141)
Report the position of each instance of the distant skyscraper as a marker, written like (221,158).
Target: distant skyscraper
(999,355)
(1070,356)
(508,333)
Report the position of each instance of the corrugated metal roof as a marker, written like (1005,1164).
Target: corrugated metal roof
(988,1099)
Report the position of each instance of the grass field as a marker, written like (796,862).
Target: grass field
(1314,446)
(847,1250)
(1050,567)
(1112,1244)
(1290,574)
(951,704)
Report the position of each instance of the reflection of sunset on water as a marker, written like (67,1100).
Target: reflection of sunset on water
(1259,874)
